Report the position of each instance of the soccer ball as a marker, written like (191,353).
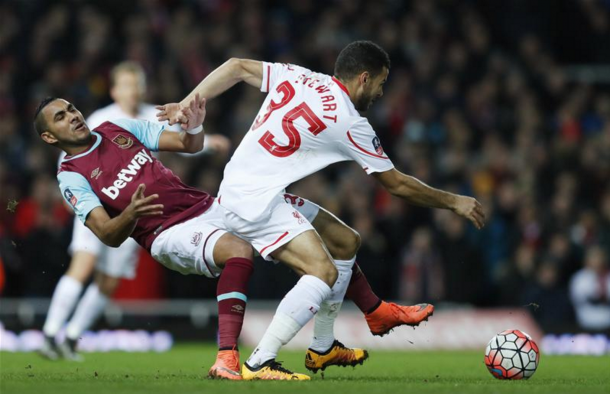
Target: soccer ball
(512,354)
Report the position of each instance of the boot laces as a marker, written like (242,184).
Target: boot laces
(277,366)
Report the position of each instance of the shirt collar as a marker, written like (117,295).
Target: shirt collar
(96,143)
(341,85)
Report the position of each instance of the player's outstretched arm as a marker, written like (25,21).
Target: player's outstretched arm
(191,139)
(418,193)
(113,232)
(219,81)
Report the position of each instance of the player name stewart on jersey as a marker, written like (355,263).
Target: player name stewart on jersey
(109,172)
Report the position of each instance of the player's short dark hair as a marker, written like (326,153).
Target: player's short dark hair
(40,123)
(361,56)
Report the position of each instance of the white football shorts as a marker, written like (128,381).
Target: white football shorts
(282,224)
(304,206)
(188,247)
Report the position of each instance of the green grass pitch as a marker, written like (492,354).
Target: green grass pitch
(182,370)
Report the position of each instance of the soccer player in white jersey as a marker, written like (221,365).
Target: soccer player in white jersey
(307,122)
(128,89)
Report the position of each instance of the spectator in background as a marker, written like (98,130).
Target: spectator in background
(40,235)
(590,291)
(464,273)
(548,297)
(604,233)
(519,275)
(422,275)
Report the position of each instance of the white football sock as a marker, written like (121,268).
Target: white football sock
(87,312)
(64,298)
(323,330)
(298,307)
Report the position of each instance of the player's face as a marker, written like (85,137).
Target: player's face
(128,90)
(372,89)
(65,125)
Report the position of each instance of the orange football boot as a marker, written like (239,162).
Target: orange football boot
(226,366)
(390,315)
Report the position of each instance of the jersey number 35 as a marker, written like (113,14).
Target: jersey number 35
(316,126)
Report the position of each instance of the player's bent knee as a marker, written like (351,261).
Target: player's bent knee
(345,244)
(331,275)
(356,241)
(328,274)
(242,249)
(325,271)
(230,246)
(341,240)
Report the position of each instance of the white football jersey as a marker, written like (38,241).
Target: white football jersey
(306,123)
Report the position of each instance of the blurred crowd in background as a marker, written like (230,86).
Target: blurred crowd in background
(480,100)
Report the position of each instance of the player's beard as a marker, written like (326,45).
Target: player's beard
(82,141)
(363,104)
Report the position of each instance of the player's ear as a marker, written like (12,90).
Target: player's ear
(364,78)
(48,138)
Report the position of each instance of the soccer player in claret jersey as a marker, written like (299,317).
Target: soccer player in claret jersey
(104,177)
(128,90)
(308,121)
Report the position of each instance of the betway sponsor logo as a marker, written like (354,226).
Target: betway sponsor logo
(123,177)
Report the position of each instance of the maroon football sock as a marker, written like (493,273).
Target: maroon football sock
(231,295)
(361,293)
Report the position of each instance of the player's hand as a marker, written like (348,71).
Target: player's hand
(171,112)
(193,115)
(188,117)
(470,209)
(141,206)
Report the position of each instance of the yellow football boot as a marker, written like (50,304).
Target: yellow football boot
(338,355)
(270,370)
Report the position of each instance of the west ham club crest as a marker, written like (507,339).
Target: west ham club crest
(122,141)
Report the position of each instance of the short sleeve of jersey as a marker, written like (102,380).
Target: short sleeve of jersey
(362,145)
(78,193)
(272,73)
(147,132)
